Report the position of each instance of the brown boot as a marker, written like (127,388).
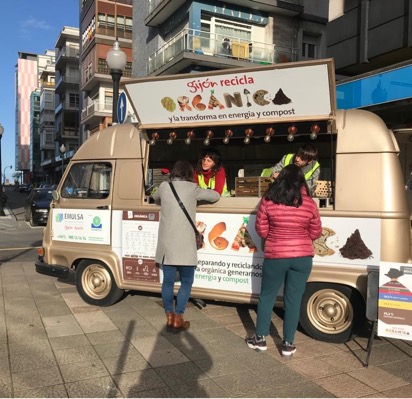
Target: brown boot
(179,324)
(170,319)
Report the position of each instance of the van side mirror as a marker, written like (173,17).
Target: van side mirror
(55,195)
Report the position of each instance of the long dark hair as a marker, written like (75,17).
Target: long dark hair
(286,188)
(182,170)
(214,155)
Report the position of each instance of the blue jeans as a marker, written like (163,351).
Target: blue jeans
(187,275)
(294,272)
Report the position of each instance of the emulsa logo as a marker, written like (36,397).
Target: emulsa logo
(96,223)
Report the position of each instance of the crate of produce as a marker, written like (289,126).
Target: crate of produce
(323,189)
(251,186)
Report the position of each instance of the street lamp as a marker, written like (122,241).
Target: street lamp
(1,187)
(62,150)
(116,61)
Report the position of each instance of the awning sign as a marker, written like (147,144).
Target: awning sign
(263,94)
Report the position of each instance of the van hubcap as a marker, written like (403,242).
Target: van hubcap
(330,311)
(96,281)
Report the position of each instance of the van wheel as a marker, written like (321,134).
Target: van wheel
(331,312)
(96,285)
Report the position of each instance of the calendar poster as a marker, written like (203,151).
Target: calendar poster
(139,241)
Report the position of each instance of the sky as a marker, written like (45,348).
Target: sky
(28,26)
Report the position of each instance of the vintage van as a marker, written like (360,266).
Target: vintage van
(104,225)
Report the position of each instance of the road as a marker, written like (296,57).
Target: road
(18,240)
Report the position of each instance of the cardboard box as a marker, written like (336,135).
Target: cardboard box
(240,50)
(251,186)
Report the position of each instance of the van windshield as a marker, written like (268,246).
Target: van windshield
(88,180)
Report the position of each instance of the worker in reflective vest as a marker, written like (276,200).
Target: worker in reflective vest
(306,158)
(210,172)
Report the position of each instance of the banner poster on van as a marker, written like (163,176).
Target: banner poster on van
(348,241)
(139,241)
(232,258)
(90,226)
(256,94)
(233,253)
(395,300)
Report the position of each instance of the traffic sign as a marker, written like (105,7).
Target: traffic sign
(121,108)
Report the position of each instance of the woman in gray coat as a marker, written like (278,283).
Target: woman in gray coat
(176,246)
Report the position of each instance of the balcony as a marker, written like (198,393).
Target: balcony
(66,54)
(64,81)
(160,10)
(46,140)
(102,75)
(191,47)
(96,109)
(122,32)
(67,106)
(46,85)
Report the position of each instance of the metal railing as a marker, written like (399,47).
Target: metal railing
(46,84)
(154,3)
(67,52)
(69,78)
(120,33)
(200,42)
(96,106)
(66,105)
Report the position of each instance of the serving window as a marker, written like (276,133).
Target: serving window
(245,152)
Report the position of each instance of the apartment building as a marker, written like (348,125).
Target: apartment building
(67,98)
(371,42)
(188,36)
(29,69)
(35,134)
(101,23)
(46,122)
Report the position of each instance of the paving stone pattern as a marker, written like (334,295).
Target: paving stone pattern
(52,344)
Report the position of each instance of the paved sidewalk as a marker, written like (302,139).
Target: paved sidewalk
(52,344)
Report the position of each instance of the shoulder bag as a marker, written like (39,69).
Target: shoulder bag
(198,236)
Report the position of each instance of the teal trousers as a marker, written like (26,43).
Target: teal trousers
(294,273)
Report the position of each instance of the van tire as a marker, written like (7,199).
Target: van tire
(95,283)
(331,312)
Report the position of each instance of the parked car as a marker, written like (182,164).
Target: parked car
(37,206)
(25,187)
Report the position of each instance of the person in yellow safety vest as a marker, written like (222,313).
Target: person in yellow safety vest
(306,158)
(210,172)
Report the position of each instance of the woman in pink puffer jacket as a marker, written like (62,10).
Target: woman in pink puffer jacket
(288,220)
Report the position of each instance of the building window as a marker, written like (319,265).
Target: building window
(110,21)
(88,71)
(310,44)
(102,66)
(107,23)
(73,100)
(129,24)
(230,38)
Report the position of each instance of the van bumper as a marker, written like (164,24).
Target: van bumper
(52,270)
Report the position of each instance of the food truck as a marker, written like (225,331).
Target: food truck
(103,224)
